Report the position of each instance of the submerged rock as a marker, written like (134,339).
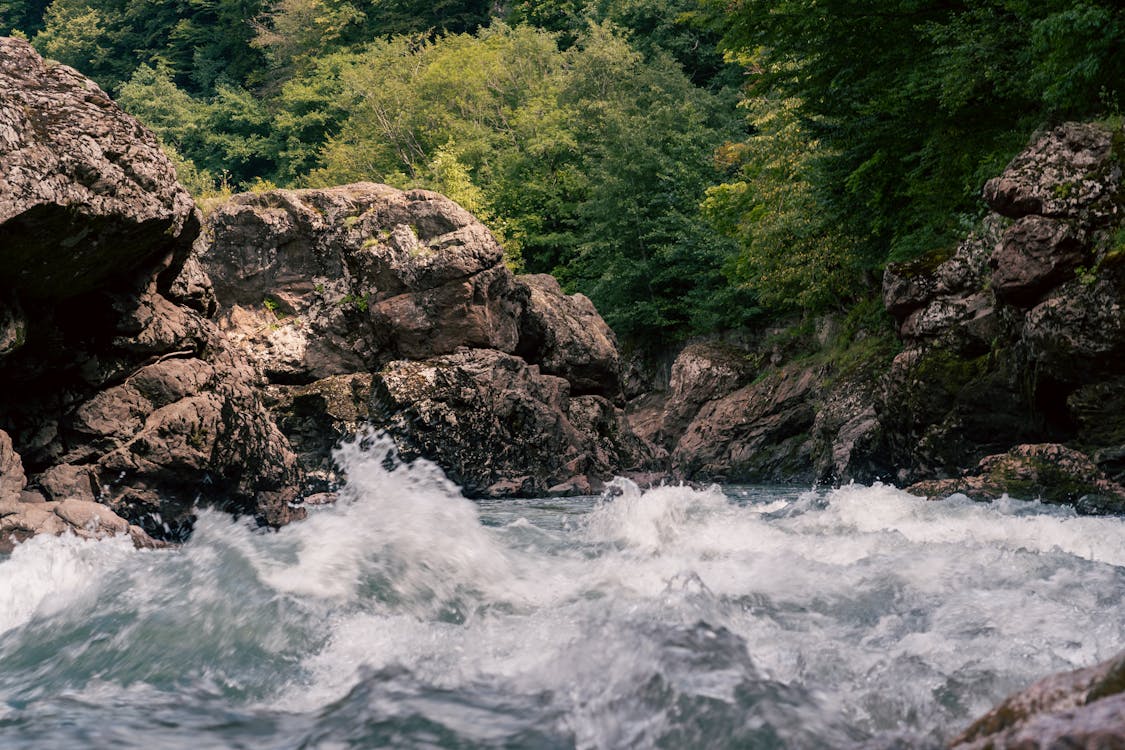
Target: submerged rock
(125,406)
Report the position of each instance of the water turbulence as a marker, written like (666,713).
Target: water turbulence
(408,616)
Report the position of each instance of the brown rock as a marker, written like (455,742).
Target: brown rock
(565,336)
(499,426)
(327,282)
(115,392)
(317,417)
(1034,254)
(12,479)
(86,194)
(759,432)
(1080,709)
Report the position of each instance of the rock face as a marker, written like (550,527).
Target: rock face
(730,413)
(1018,336)
(366,302)
(115,392)
(1080,709)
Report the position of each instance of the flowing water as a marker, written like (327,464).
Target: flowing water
(407,616)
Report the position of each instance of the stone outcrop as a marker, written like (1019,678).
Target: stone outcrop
(1049,472)
(127,405)
(731,413)
(363,302)
(1018,336)
(1080,709)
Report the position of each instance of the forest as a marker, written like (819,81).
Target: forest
(693,166)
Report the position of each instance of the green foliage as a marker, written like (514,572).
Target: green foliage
(588,162)
(916,103)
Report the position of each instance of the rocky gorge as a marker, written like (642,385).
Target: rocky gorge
(154,360)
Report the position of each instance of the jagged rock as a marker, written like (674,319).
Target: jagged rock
(326,287)
(115,396)
(759,432)
(1078,333)
(907,286)
(86,194)
(848,434)
(928,297)
(1049,472)
(315,283)
(1080,709)
(500,427)
(1035,254)
(1070,172)
(565,336)
(997,351)
(317,417)
(12,478)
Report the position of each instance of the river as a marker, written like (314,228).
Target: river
(407,616)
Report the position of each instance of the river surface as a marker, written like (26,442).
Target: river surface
(407,616)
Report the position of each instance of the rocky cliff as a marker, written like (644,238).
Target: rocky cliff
(1010,370)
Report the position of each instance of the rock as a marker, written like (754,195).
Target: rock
(1077,333)
(1080,709)
(1070,172)
(498,426)
(847,434)
(12,479)
(13,326)
(86,194)
(326,288)
(908,286)
(565,336)
(1034,255)
(758,433)
(1049,472)
(479,312)
(116,393)
(315,283)
(316,418)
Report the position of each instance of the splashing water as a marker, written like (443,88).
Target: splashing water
(407,616)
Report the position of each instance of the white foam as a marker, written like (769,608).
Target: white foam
(47,574)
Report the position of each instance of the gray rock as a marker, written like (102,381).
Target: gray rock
(1069,172)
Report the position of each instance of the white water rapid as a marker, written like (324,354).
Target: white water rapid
(408,616)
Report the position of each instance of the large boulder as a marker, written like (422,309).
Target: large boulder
(327,289)
(1070,172)
(316,283)
(115,394)
(1009,339)
(86,195)
(498,426)
(759,432)
(565,336)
